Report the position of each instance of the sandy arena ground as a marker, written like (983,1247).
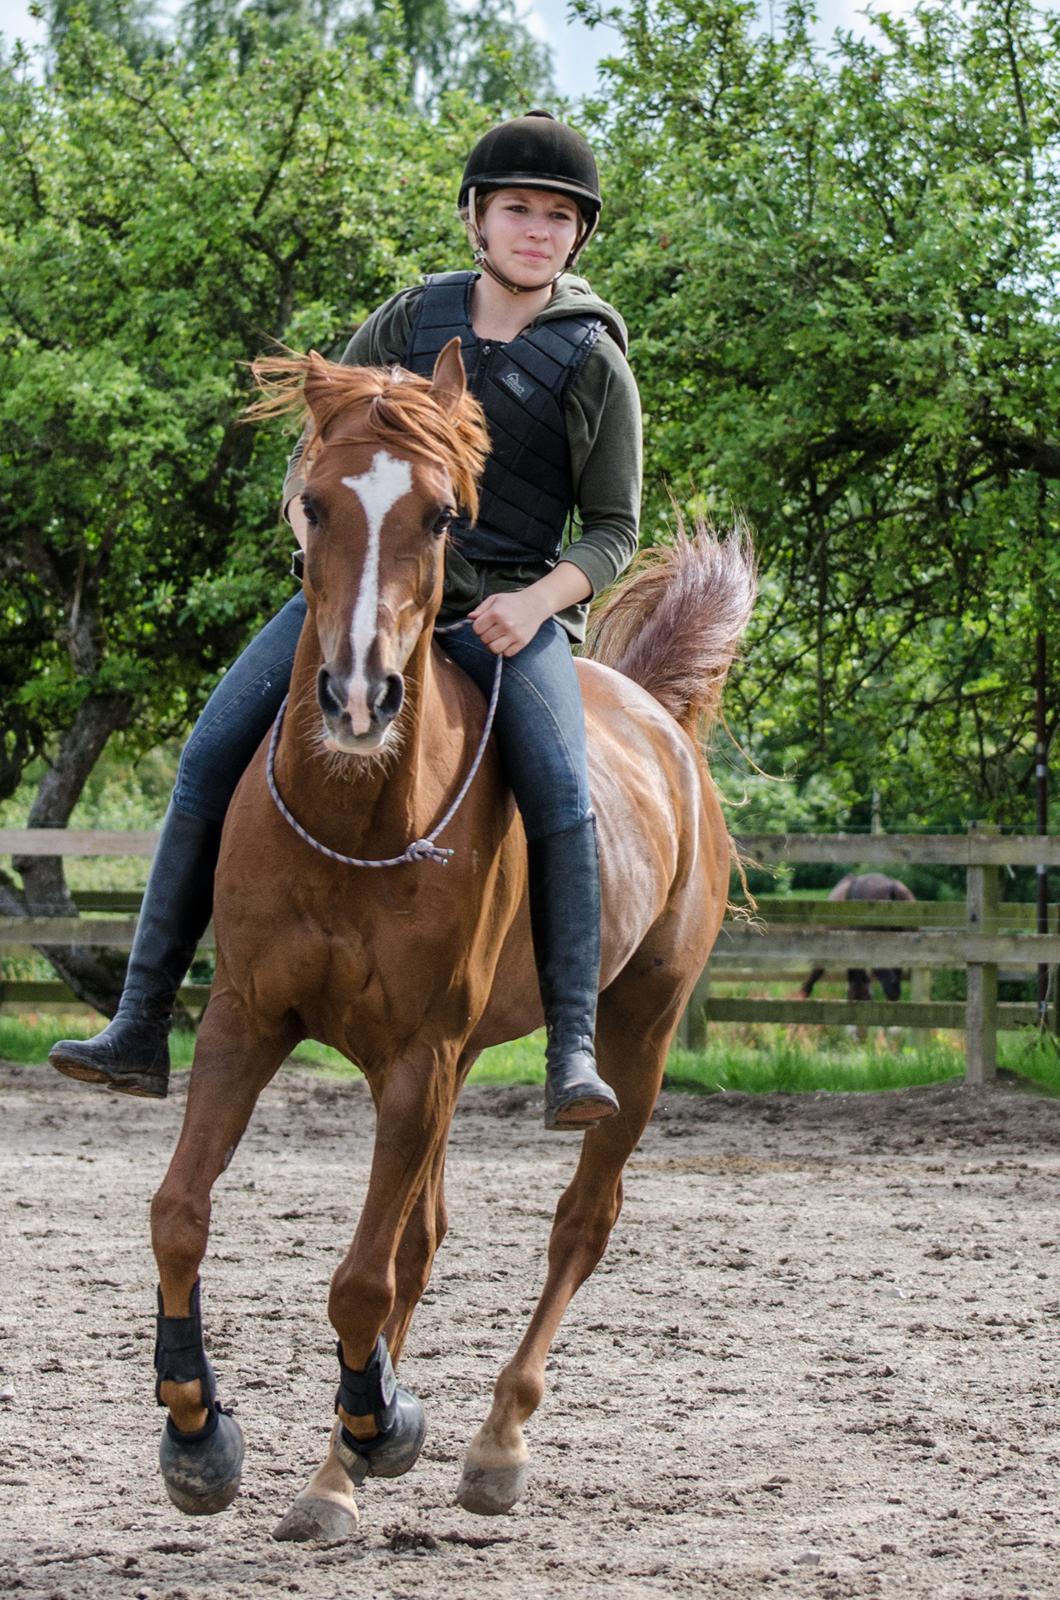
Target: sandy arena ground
(820,1358)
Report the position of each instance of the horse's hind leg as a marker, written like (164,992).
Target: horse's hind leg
(201,1451)
(632,1055)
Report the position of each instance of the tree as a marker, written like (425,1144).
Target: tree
(130,24)
(841,275)
(485,50)
(161,227)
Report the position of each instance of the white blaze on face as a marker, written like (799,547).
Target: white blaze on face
(379,489)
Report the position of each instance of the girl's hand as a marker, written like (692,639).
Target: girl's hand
(507,622)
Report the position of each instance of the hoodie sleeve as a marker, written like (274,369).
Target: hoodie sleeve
(378,342)
(602,410)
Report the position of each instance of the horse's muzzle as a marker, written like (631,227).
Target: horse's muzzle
(357,721)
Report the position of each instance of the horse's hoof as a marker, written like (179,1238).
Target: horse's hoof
(389,1454)
(317,1519)
(201,1471)
(491,1491)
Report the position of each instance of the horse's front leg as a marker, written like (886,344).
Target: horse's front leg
(420,1242)
(201,1453)
(380,1427)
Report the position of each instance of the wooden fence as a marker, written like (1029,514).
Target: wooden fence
(982,935)
(113,930)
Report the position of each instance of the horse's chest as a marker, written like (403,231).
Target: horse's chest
(375,957)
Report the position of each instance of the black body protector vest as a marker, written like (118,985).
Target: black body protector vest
(527,491)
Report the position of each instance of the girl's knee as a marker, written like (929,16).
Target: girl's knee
(199,792)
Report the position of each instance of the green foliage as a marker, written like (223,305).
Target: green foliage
(133,25)
(841,275)
(160,227)
(840,272)
(484,50)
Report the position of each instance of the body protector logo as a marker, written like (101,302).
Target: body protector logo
(517,384)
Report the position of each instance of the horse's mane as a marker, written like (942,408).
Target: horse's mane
(399,409)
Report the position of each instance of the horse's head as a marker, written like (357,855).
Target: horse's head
(392,456)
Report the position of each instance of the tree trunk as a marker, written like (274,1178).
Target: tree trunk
(94,975)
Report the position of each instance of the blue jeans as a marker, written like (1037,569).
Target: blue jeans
(237,717)
(540,726)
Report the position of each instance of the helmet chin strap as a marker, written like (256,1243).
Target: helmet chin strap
(481,258)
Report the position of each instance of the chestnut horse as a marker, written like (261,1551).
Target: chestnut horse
(411,970)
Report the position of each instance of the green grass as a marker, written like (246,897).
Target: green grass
(726,1065)
(793,1069)
(522,1061)
(28,1040)
(786,1068)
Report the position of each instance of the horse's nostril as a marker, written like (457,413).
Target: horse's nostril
(389,698)
(330,702)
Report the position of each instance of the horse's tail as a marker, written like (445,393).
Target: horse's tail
(673,626)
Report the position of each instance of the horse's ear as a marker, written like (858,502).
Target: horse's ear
(448,383)
(318,383)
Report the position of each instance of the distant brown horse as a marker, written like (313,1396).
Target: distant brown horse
(411,970)
(865,886)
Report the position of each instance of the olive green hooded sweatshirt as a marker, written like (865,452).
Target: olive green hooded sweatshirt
(602,411)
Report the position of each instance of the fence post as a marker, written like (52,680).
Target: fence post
(919,993)
(981,1005)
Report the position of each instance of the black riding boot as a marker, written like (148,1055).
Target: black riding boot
(132,1052)
(565,918)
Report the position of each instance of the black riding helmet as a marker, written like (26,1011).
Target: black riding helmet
(532,152)
(535,152)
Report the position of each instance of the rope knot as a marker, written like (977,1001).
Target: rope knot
(424,850)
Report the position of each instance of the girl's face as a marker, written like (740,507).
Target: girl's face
(529,233)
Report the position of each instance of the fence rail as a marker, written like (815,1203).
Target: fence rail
(982,935)
(77,842)
(977,848)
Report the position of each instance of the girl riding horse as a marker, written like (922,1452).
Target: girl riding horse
(546,359)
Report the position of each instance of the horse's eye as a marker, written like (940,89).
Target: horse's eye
(310,512)
(442,523)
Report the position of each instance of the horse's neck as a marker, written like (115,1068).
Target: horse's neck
(371,807)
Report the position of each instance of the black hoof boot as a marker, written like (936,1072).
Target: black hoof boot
(202,1471)
(132,1053)
(565,919)
(399,1418)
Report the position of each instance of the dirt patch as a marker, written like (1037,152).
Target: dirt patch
(819,1359)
